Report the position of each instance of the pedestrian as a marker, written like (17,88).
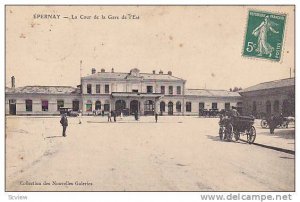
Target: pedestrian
(272,124)
(136,115)
(121,115)
(156,117)
(64,123)
(109,116)
(115,116)
(79,116)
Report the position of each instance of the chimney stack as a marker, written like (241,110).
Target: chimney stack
(112,70)
(13,82)
(170,73)
(161,72)
(93,70)
(153,71)
(102,70)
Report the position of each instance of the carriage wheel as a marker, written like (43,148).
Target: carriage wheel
(251,135)
(229,132)
(221,133)
(264,123)
(236,136)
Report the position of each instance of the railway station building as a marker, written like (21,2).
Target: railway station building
(133,91)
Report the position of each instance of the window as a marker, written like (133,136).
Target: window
(98,88)
(162,89)
(149,89)
(89,88)
(201,105)
(106,88)
(178,90)
(60,103)
(254,107)
(276,106)
(178,106)
(89,106)
(28,104)
(44,105)
(214,105)
(171,90)
(268,107)
(188,106)
(227,105)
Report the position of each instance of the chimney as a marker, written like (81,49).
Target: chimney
(170,73)
(13,82)
(102,70)
(161,72)
(112,70)
(153,71)
(93,70)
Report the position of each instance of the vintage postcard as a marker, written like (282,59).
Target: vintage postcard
(149,98)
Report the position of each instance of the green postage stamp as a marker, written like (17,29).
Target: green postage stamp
(264,35)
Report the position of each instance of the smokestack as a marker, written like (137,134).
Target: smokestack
(93,70)
(153,71)
(102,70)
(170,73)
(112,70)
(13,82)
(161,72)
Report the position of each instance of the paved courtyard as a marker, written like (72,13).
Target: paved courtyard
(175,154)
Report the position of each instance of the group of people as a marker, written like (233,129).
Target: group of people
(64,119)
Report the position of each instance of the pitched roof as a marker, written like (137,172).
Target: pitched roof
(270,84)
(44,90)
(121,76)
(211,93)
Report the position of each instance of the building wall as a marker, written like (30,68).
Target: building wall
(261,97)
(37,103)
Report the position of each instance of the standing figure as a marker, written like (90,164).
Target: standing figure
(272,124)
(115,116)
(79,116)
(156,117)
(263,47)
(64,123)
(136,115)
(109,116)
(121,115)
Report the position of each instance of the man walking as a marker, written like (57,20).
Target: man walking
(156,117)
(64,123)
(115,116)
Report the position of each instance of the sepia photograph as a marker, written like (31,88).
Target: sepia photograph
(152,98)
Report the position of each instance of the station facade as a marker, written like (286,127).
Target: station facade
(144,93)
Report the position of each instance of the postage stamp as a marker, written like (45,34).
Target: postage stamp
(264,35)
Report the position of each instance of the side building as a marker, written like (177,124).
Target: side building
(145,93)
(270,98)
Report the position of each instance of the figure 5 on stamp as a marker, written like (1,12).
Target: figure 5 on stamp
(264,35)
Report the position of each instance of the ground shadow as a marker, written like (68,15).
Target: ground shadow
(282,133)
(54,136)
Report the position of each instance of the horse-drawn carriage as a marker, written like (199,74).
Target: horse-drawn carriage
(233,125)
(279,122)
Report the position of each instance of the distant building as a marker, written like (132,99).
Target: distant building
(273,97)
(145,93)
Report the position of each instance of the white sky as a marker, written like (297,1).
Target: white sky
(201,44)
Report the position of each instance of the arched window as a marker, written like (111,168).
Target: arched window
(178,106)
(89,106)
(268,107)
(276,106)
(162,106)
(97,105)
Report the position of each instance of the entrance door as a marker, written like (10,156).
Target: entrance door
(12,107)
(134,106)
(120,105)
(75,105)
(170,108)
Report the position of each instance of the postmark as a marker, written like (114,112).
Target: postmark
(264,35)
